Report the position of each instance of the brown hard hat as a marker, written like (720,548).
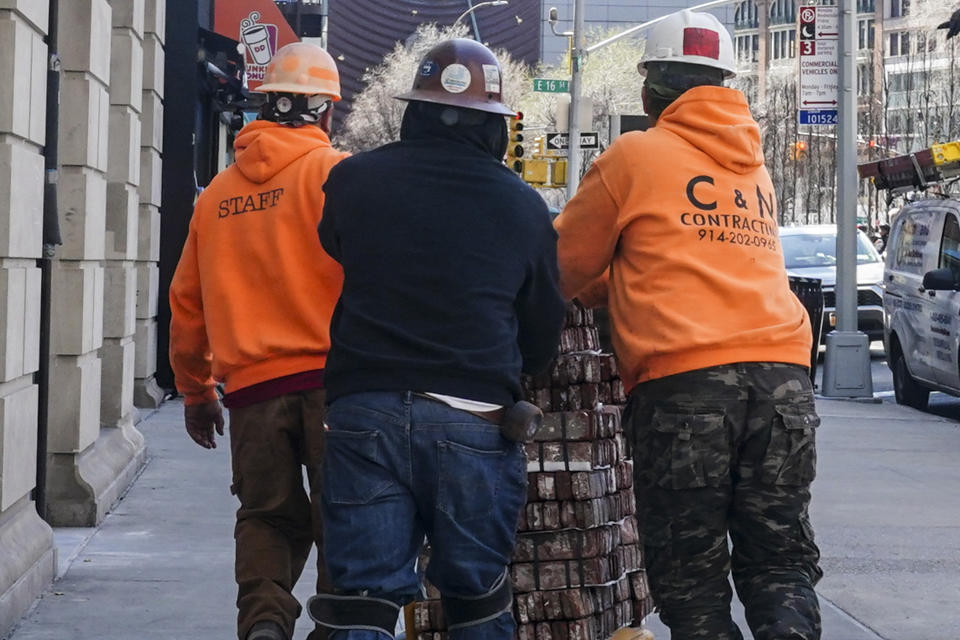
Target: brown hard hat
(460,73)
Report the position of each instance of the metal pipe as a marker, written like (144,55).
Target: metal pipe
(324,17)
(474,7)
(51,238)
(846,363)
(847,173)
(576,81)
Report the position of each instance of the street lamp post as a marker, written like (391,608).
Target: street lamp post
(469,12)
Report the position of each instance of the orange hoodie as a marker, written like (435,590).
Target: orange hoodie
(253,293)
(684,216)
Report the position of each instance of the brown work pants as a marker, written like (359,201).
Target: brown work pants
(277,522)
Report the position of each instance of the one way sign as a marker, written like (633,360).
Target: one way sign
(561,141)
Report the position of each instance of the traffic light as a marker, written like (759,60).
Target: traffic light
(799,150)
(515,144)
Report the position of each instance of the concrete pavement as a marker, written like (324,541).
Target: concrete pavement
(886,508)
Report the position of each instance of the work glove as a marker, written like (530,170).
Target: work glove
(201,420)
(953,24)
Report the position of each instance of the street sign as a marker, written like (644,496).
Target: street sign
(550,85)
(561,141)
(819,83)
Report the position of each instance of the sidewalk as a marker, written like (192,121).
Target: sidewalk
(886,508)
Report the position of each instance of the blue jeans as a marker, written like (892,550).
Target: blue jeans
(399,467)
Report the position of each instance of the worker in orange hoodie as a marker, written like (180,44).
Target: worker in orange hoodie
(251,302)
(677,228)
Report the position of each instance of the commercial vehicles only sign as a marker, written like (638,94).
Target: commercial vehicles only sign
(819,83)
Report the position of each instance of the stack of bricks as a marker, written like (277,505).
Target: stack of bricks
(577,569)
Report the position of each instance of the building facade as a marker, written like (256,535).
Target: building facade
(906,68)
(71,387)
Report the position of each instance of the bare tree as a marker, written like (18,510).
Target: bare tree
(376,115)
(610,79)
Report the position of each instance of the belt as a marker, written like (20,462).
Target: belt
(495,416)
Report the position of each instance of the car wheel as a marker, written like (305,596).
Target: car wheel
(907,391)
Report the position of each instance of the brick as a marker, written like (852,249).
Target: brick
(82,206)
(85,45)
(128,14)
(122,222)
(126,69)
(23,67)
(21,198)
(18,445)
(84,121)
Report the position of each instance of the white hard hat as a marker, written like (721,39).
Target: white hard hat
(693,38)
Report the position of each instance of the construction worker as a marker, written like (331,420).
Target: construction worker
(712,344)
(450,291)
(251,302)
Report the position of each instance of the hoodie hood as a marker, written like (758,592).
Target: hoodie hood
(264,149)
(717,121)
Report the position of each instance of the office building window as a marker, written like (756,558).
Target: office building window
(866,33)
(746,16)
(899,8)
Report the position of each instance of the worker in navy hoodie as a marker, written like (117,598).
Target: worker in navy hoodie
(450,292)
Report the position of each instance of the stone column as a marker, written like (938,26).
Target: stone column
(27,559)
(122,221)
(147,393)
(88,467)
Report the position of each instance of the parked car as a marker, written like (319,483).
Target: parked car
(810,251)
(921,302)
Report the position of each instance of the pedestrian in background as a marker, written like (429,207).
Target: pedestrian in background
(710,339)
(251,302)
(450,291)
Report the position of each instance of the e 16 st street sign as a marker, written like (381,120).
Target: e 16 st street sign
(819,82)
(561,141)
(549,85)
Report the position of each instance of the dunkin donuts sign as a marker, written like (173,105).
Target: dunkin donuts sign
(259,27)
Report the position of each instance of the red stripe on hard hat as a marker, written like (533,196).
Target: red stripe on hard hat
(701,42)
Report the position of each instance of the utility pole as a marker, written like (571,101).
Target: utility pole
(576,78)
(846,371)
(324,18)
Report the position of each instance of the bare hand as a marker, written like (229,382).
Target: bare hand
(201,420)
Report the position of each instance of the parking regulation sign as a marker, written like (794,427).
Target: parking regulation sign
(819,83)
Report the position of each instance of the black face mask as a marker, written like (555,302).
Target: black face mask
(479,129)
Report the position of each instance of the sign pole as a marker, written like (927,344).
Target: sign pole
(846,371)
(576,77)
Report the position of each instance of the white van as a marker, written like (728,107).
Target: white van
(921,301)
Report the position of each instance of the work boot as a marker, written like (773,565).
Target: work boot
(266,630)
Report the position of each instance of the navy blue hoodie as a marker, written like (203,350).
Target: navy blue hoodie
(450,268)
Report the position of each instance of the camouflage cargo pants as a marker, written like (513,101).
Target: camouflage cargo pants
(728,450)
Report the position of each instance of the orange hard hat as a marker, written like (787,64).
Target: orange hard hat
(304,68)
(460,73)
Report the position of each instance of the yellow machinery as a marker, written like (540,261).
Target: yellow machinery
(914,171)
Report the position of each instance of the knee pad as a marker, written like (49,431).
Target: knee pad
(354,612)
(468,611)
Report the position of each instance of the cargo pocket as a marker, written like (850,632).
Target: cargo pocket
(353,467)
(690,449)
(791,457)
